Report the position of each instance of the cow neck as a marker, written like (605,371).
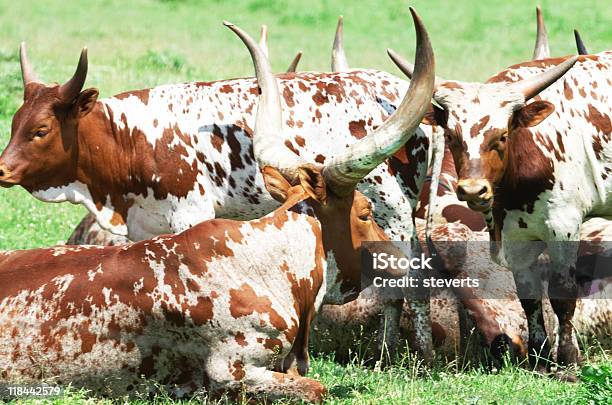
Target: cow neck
(108,156)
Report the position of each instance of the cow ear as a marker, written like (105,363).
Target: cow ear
(276,184)
(312,181)
(532,114)
(435,116)
(85,102)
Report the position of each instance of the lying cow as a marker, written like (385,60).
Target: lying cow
(222,303)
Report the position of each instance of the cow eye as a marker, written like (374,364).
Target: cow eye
(365,216)
(41,133)
(503,138)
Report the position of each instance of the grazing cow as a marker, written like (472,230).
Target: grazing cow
(540,176)
(218,305)
(346,331)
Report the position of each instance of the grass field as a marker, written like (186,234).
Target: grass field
(140,43)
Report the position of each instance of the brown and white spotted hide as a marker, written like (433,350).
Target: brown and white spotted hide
(160,160)
(217,307)
(359,319)
(542,166)
(498,321)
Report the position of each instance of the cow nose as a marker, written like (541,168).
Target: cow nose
(476,190)
(5,172)
(471,190)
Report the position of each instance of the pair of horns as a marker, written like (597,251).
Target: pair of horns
(263,44)
(69,90)
(541,49)
(344,171)
(529,87)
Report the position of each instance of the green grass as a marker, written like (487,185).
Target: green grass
(400,384)
(140,43)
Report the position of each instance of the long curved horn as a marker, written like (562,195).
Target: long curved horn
(263,40)
(268,144)
(407,68)
(339,63)
(346,170)
(69,90)
(582,50)
(532,86)
(27,73)
(293,66)
(541,49)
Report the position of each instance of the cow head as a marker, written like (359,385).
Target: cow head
(43,144)
(328,192)
(481,121)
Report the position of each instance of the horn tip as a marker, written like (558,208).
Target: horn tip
(416,17)
(227,23)
(538,9)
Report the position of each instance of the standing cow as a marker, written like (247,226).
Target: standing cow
(541,177)
(218,305)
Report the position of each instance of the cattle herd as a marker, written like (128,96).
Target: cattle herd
(227,219)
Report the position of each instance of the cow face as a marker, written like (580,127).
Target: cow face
(480,121)
(44,144)
(346,220)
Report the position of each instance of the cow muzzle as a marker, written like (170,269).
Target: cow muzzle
(6,176)
(478,193)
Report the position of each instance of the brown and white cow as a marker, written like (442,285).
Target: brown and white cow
(540,176)
(219,305)
(159,160)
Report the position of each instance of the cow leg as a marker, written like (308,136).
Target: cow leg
(297,361)
(539,346)
(388,339)
(423,341)
(231,376)
(418,303)
(420,307)
(563,291)
(529,288)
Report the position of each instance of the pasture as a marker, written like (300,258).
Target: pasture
(143,43)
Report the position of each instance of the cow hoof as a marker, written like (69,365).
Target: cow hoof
(569,355)
(566,376)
